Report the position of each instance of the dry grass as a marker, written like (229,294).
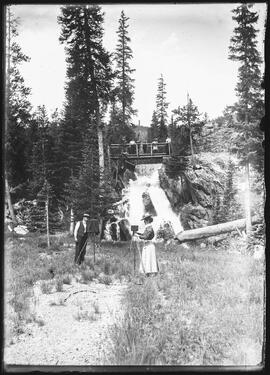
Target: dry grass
(27,261)
(199,310)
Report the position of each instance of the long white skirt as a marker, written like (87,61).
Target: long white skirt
(149,261)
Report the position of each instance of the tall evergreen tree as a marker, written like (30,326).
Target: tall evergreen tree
(154,130)
(125,82)
(161,109)
(187,120)
(246,136)
(122,111)
(88,93)
(43,163)
(18,114)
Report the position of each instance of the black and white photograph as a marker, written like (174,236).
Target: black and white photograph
(134,229)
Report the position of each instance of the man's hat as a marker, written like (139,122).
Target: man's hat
(146,216)
(86,215)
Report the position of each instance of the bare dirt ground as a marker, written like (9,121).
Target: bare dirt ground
(75,331)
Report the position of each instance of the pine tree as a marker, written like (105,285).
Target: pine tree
(188,120)
(161,110)
(86,197)
(154,130)
(115,132)
(42,161)
(18,115)
(88,93)
(217,215)
(44,218)
(246,136)
(124,82)
(176,136)
(230,208)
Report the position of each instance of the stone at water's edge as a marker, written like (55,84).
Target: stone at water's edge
(21,229)
(194,197)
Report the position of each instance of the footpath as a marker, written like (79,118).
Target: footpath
(72,327)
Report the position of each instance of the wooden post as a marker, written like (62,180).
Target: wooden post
(247,201)
(109,158)
(134,254)
(190,131)
(71,228)
(100,149)
(94,236)
(8,197)
(47,219)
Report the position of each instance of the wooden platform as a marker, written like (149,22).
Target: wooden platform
(143,153)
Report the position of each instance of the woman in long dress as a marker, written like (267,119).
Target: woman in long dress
(149,264)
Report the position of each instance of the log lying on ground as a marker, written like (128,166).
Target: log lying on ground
(213,230)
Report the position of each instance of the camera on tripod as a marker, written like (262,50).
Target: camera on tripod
(134,229)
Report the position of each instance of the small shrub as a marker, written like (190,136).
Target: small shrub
(61,302)
(88,262)
(114,268)
(46,287)
(96,307)
(42,245)
(87,275)
(67,279)
(59,285)
(105,279)
(40,322)
(85,315)
(107,267)
(99,262)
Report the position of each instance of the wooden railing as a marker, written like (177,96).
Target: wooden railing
(140,150)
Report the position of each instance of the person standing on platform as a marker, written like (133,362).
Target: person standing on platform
(168,143)
(81,233)
(132,147)
(155,145)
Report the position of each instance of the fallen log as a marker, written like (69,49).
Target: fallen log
(213,230)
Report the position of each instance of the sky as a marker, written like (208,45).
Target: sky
(187,43)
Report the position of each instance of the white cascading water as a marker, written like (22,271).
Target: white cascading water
(150,184)
(162,204)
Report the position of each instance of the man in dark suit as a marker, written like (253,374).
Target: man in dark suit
(81,232)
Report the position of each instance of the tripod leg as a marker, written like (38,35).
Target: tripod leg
(94,248)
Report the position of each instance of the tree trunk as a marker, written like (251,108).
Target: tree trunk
(8,197)
(47,221)
(109,159)
(10,206)
(247,201)
(101,150)
(213,230)
(71,227)
(191,146)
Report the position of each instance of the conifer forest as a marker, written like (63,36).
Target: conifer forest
(199,176)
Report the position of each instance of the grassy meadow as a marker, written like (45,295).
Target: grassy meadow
(205,307)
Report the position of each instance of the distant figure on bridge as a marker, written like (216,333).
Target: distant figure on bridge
(140,147)
(168,142)
(155,145)
(132,147)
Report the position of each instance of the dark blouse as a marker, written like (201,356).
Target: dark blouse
(148,233)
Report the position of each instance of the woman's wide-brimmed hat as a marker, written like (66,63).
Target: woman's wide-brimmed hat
(146,216)
(86,215)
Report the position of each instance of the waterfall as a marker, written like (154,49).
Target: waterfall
(148,181)
(162,204)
